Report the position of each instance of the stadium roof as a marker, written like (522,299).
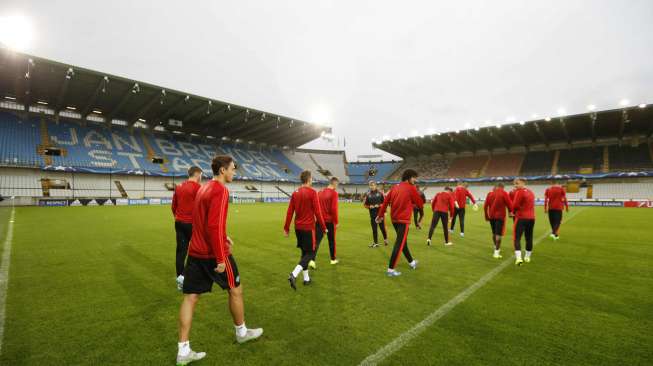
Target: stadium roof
(606,126)
(35,81)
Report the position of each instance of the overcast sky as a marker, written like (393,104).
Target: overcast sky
(366,68)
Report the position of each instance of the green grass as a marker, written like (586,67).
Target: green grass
(95,285)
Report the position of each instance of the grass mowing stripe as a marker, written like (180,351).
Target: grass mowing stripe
(420,327)
(4,273)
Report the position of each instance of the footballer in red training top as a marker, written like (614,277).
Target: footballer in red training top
(523,208)
(401,198)
(442,205)
(497,203)
(182,209)
(555,199)
(329,204)
(461,193)
(305,206)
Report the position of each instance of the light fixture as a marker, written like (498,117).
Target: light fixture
(548,119)
(105,81)
(136,88)
(467,125)
(591,107)
(624,102)
(228,107)
(141,120)
(42,102)
(642,105)
(71,108)
(9,98)
(97,111)
(70,73)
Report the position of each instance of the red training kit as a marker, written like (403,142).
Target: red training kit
(524,204)
(488,203)
(401,199)
(555,198)
(443,202)
(329,205)
(183,200)
(306,207)
(209,238)
(500,203)
(461,194)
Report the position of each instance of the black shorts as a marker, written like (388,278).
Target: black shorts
(498,226)
(306,240)
(200,274)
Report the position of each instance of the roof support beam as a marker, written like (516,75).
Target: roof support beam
(540,133)
(141,112)
(519,136)
(64,88)
(593,124)
(101,88)
(173,108)
(563,125)
(125,98)
(622,124)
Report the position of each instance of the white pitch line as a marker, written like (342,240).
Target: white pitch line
(394,346)
(4,273)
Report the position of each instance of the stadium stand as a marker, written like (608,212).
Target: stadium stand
(504,165)
(537,163)
(586,160)
(468,167)
(630,158)
(360,172)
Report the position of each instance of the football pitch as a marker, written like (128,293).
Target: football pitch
(96,286)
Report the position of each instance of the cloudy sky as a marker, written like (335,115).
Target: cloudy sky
(367,68)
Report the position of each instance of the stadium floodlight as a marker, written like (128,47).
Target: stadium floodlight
(467,125)
(624,102)
(9,97)
(477,128)
(71,108)
(228,108)
(16,32)
(70,73)
(97,111)
(141,120)
(548,119)
(42,102)
(522,122)
(643,105)
(136,88)
(591,107)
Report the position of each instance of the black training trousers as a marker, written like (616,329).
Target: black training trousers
(184,231)
(437,216)
(375,234)
(555,218)
(401,245)
(459,212)
(524,227)
(331,236)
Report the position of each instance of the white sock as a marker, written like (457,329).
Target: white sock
(295,272)
(241,330)
(390,270)
(413,263)
(305,273)
(518,254)
(183,348)
(528,254)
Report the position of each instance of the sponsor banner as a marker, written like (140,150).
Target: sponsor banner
(122,202)
(155,201)
(640,204)
(597,203)
(137,202)
(166,201)
(237,200)
(276,199)
(53,203)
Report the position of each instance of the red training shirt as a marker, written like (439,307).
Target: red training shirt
(183,200)
(401,199)
(461,193)
(305,204)
(524,204)
(209,239)
(500,203)
(329,204)
(488,203)
(555,198)
(443,202)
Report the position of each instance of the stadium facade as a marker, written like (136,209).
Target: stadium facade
(69,135)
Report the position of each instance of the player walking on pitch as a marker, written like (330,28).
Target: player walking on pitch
(496,204)
(374,200)
(401,199)
(305,206)
(461,193)
(182,209)
(555,198)
(329,205)
(442,205)
(210,259)
(418,214)
(524,210)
